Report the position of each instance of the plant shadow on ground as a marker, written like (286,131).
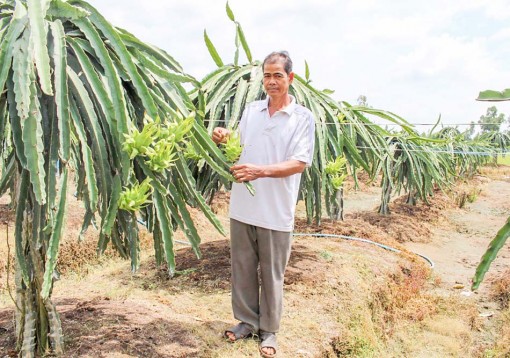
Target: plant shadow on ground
(99,325)
(212,271)
(102,327)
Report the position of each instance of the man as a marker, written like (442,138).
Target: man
(277,135)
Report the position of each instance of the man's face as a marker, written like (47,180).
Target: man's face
(276,80)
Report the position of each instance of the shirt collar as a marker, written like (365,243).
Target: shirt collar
(289,109)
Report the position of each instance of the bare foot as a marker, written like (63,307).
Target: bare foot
(240,331)
(231,336)
(270,351)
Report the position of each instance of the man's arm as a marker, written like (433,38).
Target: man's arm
(249,172)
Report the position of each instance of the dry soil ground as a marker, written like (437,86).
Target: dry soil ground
(343,298)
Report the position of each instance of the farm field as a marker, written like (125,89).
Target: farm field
(90,111)
(343,298)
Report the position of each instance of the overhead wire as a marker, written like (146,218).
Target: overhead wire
(411,124)
(394,124)
(442,151)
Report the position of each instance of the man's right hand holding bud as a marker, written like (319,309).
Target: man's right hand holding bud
(220,135)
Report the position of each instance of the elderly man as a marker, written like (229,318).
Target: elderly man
(277,135)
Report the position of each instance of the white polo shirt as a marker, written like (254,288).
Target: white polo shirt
(287,135)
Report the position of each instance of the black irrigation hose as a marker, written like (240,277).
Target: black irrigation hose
(389,248)
(386,247)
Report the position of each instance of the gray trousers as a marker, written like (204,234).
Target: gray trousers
(259,305)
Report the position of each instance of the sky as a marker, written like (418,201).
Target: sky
(418,59)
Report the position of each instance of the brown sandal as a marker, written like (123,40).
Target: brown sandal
(241,330)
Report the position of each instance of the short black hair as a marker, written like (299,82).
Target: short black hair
(282,56)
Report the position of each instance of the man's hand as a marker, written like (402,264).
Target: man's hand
(247,172)
(220,135)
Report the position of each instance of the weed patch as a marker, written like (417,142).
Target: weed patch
(401,297)
(500,289)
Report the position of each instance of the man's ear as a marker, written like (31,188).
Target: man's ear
(291,77)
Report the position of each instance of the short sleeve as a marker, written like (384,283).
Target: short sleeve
(302,144)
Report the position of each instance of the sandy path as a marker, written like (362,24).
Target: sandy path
(459,243)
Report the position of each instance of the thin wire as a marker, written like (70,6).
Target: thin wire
(413,124)
(442,151)
(418,150)
(395,124)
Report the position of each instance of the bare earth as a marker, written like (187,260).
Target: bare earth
(456,248)
(343,298)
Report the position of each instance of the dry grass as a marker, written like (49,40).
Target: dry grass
(500,289)
(372,325)
(500,346)
(400,296)
(464,193)
(497,172)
